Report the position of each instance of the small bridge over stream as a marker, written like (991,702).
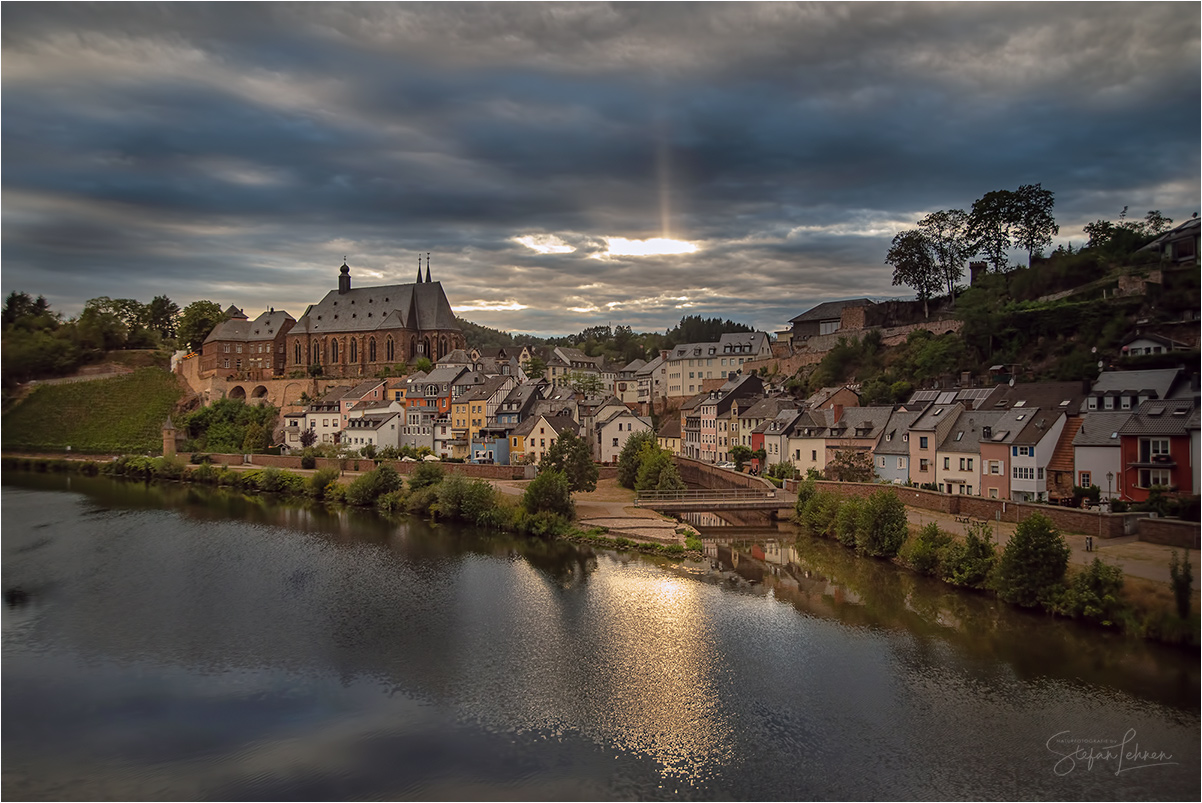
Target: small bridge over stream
(713,499)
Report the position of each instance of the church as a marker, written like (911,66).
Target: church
(359,332)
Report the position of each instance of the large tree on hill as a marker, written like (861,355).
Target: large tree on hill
(990,224)
(196,322)
(161,316)
(914,266)
(1032,223)
(946,233)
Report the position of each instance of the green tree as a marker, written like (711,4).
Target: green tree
(923,551)
(570,454)
(162,315)
(1032,222)
(1033,564)
(630,458)
(423,364)
(946,233)
(740,454)
(850,465)
(969,562)
(534,367)
(196,322)
(882,525)
(550,492)
(914,266)
(425,475)
(990,224)
(588,384)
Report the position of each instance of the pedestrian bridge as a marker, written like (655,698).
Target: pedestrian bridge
(703,500)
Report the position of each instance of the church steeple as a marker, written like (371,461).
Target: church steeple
(344,279)
(427,266)
(419,268)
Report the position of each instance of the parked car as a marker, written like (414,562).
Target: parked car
(726,464)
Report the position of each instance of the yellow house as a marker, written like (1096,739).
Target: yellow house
(537,434)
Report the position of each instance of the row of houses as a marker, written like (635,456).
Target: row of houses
(478,411)
(1126,432)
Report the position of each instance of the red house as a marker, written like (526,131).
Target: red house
(1155,448)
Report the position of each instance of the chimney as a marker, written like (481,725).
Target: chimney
(837,409)
(344,280)
(1086,386)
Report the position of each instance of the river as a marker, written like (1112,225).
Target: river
(178,642)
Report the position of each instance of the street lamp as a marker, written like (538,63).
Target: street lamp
(1109,480)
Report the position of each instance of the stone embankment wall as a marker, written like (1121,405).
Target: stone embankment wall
(1181,534)
(707,475)
(293,462)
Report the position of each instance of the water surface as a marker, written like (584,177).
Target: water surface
(175,642)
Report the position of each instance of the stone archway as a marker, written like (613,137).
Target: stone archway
(236,392)
(259,392)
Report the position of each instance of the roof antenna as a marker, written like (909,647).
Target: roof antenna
(419,268)
(427,266)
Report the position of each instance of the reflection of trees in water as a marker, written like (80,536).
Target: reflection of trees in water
(826,579)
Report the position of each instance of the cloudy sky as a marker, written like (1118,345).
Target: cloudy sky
(238,152)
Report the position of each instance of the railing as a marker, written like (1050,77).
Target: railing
(694,495)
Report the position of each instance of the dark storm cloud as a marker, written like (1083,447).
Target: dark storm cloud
(240,151)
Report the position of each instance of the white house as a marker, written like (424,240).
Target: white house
(612,432)
(1097,453)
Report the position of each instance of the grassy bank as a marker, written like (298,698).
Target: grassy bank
(123,414)
(1032,571)
(544,512)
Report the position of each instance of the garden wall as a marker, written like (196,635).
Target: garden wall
(1067,519)
(1171,532)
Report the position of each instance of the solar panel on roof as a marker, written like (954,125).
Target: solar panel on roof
(948,397)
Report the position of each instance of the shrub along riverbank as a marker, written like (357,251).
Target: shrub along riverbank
(545,509)
(1032,571)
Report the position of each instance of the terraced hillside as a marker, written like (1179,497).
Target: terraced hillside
(120,415)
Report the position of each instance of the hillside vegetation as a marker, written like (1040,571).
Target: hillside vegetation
(121,415)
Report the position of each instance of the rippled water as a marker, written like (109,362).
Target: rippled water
(173,642)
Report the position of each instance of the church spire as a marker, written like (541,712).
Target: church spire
(419,268)
(427,266)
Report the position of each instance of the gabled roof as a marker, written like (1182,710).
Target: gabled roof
(422,307)
(1101,428)
(625,412)
(830,310)
(1167,342)
(897,426)
(933,416)
(265,327)
(969,430)
(1062,456)
(1168,418)
(768,407)
(483,391)
(558,424)
(862,422)
(1064,396)
(363,388)
(1160,381)
(1037,426)
(670,429)
(649,368)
